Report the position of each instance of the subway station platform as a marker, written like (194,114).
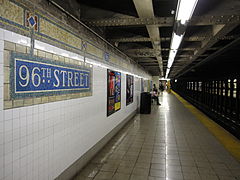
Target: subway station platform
(169,143)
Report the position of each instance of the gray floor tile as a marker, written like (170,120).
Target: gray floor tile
(157,173)
(137,177)
(103,175)
(120,176)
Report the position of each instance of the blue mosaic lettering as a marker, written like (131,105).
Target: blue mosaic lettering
(33,76)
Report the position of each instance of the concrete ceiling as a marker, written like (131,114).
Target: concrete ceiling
(142,29)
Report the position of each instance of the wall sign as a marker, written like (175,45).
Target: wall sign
(106,56)
(34,76)
(113,92)
(129,89)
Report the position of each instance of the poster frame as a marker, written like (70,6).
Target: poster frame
(108,92)
(131,78)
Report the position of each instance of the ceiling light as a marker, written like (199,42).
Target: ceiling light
(170,62)
(171,57)
(176,41)
(172,54)
(184,13)
(185,10)
(167,72)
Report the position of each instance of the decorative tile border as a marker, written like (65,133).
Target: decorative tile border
(13,51)
(12,12)
(93,50)
(31,20)
(55,32)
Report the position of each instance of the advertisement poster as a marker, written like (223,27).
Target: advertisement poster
(129,89)
(113,92)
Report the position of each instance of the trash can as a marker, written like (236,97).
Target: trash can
(145,103)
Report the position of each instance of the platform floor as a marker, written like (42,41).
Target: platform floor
(170,143)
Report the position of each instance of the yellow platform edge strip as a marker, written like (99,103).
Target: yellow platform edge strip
(231,143)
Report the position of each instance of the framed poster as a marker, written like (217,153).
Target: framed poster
(113,91)
(129,89)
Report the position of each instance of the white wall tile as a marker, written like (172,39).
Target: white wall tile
(1,153)
(1,110)
(1,93)
(1,34)
(8,124)
(16,38)
(1,138)
(55,50)
(8,136)
(1,173)
(8,114)
(1,127)
(1,80)
(8,148)
(16,147)
(1,48)
(8,169)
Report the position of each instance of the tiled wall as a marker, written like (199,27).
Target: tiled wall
(41,141)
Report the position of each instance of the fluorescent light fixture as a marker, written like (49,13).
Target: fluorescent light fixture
(176,41)
(170,62)
(185,10)
(172,54)
(165,79)
(171,57)
(184,13)
(167,72)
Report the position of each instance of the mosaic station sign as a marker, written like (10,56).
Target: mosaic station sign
(33,76)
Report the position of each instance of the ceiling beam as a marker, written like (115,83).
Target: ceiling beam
(145,11)
(152,51)
(141,60)
(151,66)
(154,55)
(181,49)
(131,39)
(148,63)
(145,39)
(143,52)
(163,21)
(163,39)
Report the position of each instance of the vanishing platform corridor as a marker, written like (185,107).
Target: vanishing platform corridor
(170,143)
